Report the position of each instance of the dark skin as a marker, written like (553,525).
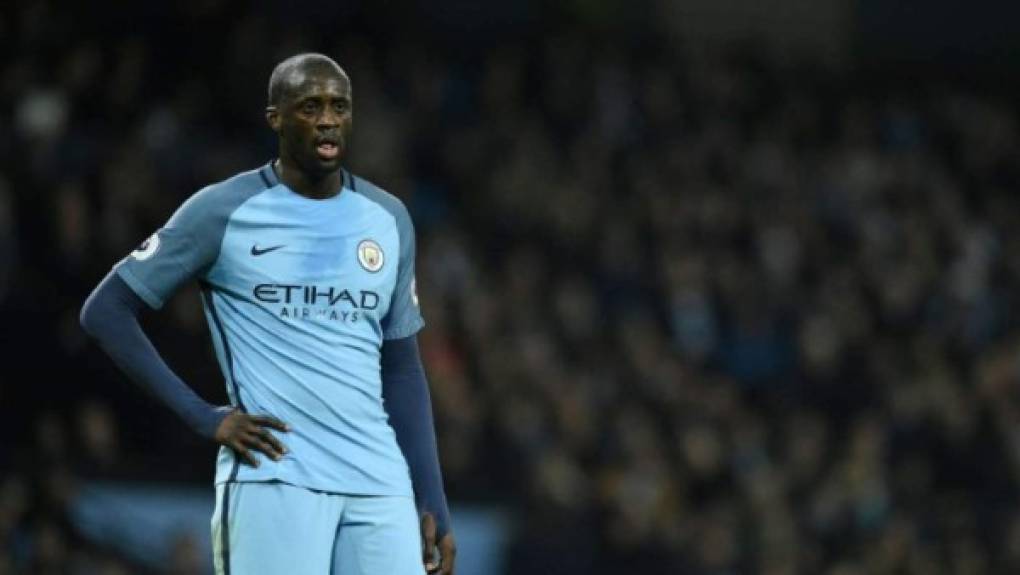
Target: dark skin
(246,433)
(314,109)
(313,117)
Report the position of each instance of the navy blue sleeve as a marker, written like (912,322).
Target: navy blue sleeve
(406,399)
(110,315)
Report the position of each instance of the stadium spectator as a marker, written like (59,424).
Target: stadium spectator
(688,312)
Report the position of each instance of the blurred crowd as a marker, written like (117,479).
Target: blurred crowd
(688,312)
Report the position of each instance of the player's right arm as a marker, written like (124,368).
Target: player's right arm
(180,251)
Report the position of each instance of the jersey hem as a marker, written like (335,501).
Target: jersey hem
(317,487)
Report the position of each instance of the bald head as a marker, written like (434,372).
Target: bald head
(293,72)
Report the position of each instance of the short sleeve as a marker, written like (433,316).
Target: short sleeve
(404,318)
(181,250)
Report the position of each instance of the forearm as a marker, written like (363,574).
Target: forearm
(406,399)
(110,315)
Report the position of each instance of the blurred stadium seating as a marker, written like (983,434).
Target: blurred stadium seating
(727,306)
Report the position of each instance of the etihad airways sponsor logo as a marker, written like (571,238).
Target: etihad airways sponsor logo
(317,302)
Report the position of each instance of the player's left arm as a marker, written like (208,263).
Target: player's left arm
(406,399)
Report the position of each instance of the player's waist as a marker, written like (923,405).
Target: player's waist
(328,464)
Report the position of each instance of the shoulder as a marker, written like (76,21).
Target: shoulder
(215,202)
(382,198)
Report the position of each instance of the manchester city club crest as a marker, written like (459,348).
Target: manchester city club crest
(370,255)
(147,249)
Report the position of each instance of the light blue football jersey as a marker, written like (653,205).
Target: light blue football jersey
(299,295)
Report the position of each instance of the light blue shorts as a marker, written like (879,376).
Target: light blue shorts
(273,528)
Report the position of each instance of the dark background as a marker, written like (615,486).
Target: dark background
(711,287)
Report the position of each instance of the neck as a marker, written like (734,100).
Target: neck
(316,187)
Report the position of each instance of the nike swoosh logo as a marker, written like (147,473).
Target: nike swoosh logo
(257,251)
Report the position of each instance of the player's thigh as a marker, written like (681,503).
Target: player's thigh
(378,535)
(272,528)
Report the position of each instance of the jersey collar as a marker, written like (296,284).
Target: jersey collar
(271,179)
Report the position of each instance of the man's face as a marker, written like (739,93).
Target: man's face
(313,120)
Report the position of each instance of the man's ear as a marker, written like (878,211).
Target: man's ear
(273,118)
